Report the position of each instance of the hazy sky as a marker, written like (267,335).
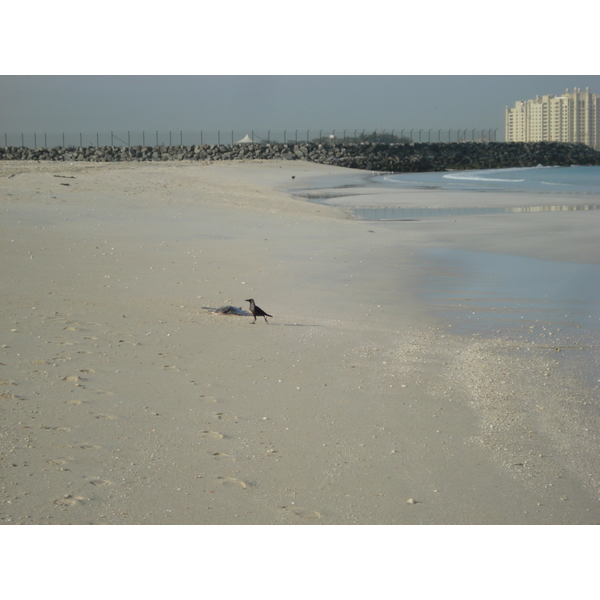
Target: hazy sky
(53,104)
(128,66)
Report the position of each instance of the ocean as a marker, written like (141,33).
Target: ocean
(489,291)
(552,180)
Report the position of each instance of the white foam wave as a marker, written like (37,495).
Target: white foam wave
(396,179)
(472,177)
(491,174)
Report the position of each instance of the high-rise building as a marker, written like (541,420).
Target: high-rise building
(571,117)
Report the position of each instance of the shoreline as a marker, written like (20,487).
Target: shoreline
(125,401)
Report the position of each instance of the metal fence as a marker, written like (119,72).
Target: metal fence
(226,137)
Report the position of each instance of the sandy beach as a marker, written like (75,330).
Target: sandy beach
(125,400)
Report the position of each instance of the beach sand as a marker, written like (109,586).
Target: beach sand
(125,400)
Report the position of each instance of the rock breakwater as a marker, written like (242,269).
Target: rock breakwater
(410,157)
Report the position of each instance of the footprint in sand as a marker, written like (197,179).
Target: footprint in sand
(309,515)
(233,482)
(226,417)
(70,500)
(100,482)
(209,399)
(58,462)
(221,455)
(213,435)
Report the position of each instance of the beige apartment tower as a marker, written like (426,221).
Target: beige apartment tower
(571,117)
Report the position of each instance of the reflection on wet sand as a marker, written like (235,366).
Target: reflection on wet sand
(395,213)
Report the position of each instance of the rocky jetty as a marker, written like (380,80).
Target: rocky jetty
(415,157)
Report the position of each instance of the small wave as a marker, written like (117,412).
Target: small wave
(479,178)
(396,179)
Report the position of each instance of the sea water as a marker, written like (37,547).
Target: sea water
(502,290)
(491,291)
(559,180)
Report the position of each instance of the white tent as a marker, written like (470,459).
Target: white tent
(245,140)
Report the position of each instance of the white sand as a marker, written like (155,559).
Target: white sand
(124,400)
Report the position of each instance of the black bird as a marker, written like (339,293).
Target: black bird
(257,311)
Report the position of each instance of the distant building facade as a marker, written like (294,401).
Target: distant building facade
(571,117)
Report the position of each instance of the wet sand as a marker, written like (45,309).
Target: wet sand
(125,400)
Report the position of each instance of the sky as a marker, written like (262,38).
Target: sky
(104,103)
(268,65)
